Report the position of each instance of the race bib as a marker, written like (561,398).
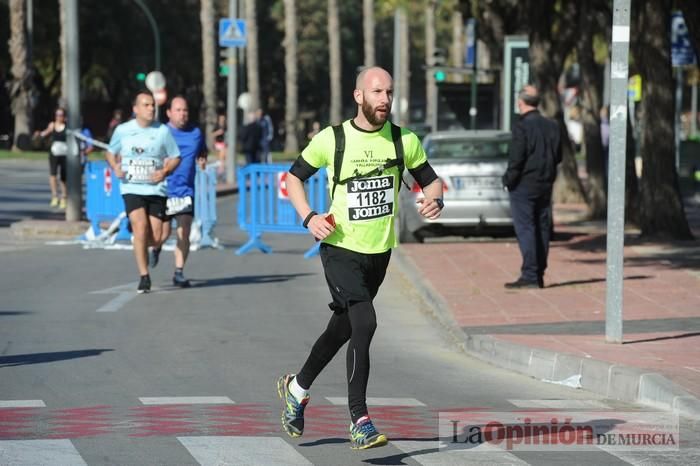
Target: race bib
(59,149)
(179,205)
(140,170)
(370,198)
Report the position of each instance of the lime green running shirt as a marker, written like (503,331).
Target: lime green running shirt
(364,209)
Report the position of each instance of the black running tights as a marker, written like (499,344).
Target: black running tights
(357,324)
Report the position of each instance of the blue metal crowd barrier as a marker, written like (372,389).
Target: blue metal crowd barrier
(263,205)
(103,202)
(205,203)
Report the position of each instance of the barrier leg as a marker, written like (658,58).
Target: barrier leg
(255,241)
(313,251)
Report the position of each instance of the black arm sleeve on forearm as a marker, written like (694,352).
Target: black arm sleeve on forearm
(302,169)
(423,174)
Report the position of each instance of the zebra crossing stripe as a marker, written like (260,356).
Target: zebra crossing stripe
(680,457)
(186,400)
(264,451)
(22,404)
(377,401)
(430,454)
(40,453)
(560,404)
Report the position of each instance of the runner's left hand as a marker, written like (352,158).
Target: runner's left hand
(429,209)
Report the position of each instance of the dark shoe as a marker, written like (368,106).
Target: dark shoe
(153,257)
(520,283)
(540,282)
(144,285)
(180,280)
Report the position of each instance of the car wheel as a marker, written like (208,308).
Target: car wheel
(406,235)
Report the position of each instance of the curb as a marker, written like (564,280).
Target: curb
(613,381)
(48,229)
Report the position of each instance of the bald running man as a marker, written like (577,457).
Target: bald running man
(357,235)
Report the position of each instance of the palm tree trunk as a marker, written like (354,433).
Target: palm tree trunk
(252,58)
(661,210)
(335,63)
(405,71)
(591,88)
(206,17)
(368,29)
(291,113)
(457,48)
(63,39)
(20,86)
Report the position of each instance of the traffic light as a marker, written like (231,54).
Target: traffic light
(141,77)
(223,62)
(440,76)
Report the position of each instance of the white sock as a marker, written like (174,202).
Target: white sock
(298,392)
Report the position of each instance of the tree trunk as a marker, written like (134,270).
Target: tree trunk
(63,39)
(631,181)
(291,112)
(206,17)
(368,29)
(661,210)
(591,90)
(20,85)
(546,62)
(335,63)
(430,87)
(458,44)
(252,57)
(405,71)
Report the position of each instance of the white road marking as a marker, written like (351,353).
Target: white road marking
(22,404)
(560,404)
(39,453)
(377,401)
(681,457)
(117,302)
(187,400)
(429,454)
(239,451)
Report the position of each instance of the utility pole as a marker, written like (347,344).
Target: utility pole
(619,72)
(74,180)
(231,98)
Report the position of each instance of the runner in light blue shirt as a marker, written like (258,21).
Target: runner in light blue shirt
(142,154)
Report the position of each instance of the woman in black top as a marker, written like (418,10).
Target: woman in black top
(57,157)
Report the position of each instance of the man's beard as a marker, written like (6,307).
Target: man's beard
(371,116)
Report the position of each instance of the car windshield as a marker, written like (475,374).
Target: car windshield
(466,149)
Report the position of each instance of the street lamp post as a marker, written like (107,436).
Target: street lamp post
(73,168)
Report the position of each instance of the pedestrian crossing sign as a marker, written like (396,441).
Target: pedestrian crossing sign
(232,32)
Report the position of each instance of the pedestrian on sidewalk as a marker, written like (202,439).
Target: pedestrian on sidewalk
(267,130)
(535,152)
(251,134)
(357,235)
(142,153)
(180,204)
(57,157)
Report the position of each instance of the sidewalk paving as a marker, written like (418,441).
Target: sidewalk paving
(559,331)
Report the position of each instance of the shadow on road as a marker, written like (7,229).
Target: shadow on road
(39,358)
(245,280)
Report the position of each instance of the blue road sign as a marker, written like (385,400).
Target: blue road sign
(232,32)
(682,52)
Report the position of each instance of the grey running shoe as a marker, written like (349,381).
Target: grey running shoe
(180,280)
(153,257)
(293,410)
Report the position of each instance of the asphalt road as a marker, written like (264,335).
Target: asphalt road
(92,373)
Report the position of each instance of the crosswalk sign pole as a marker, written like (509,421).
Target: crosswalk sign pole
(231,98)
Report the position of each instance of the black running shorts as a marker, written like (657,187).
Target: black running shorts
(154,205)
(352,276)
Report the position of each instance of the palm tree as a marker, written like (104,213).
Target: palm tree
(335,62)
(20,86)
(206,18)
(368,29)
(252,61)
(63,39)
(291,112)
(404,71)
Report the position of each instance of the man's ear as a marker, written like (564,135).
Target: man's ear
(357,95)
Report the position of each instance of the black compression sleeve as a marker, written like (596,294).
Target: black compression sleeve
(302,169)
(423,174)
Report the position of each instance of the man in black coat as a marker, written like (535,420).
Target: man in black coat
(535,152)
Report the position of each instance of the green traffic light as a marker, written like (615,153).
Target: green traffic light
(140,76)
(440,76)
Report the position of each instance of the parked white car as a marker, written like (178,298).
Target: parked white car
(470,164)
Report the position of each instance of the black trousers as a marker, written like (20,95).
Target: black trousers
(532,219)
(353,279)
